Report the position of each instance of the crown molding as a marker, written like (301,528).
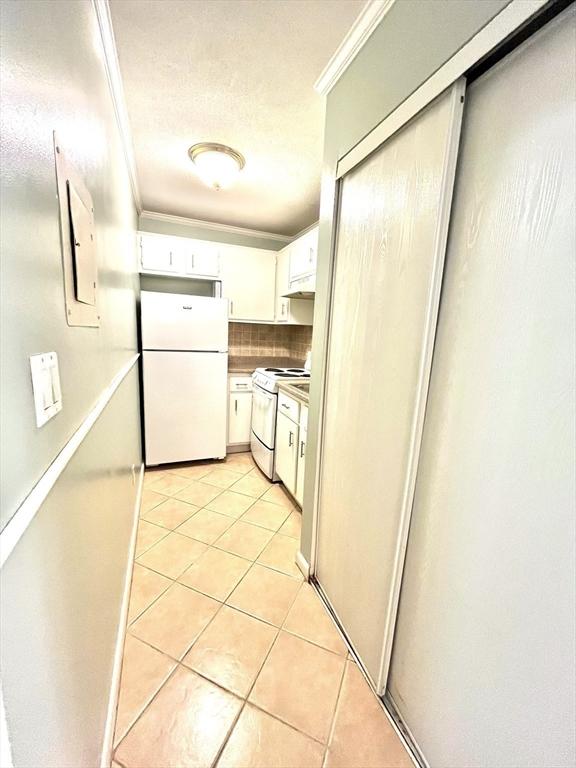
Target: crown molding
(366,22)
(184,221)
(112,67)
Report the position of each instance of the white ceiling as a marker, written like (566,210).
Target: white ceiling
(239,72)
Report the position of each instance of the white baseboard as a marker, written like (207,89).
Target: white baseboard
(108,743)
(303,565)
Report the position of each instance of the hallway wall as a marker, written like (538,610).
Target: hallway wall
(60,617)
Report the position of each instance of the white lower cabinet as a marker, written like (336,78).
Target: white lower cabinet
(239,410)
(301,463)
(286,451)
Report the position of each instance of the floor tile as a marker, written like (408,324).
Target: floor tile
(299,683)
(222,478)
(260,741)
(143,671)
(244,540)
(206,526)
(175,620)
(169,484)
(171,513)
(146,587)
(199,493)
(231,650)
(240,462)
(308,618)
(230,503)
(215,573)
(277,495)
(184,727)
(150,499)
(148,535)
(280,554)
(253,484)
(293,525)
(267,515)
(193,471)
(172,555)
(363,736)
(151,475)
(266,594)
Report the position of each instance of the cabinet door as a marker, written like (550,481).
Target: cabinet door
(286,451)
(239,416)
(303,255)
(201,258)
(159,254)
(301,462)
(248,281)
(282,285)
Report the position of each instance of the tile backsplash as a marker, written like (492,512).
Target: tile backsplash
(250,339)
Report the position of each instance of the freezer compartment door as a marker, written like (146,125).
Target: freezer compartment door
(178,322)
(185,399)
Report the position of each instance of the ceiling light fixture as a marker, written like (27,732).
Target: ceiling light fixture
(216,164)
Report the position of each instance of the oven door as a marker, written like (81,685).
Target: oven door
(264,416)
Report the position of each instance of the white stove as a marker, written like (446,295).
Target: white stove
(268,378)
(264,403)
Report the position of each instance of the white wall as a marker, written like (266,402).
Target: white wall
(62,585)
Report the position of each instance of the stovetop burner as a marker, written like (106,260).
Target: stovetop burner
(273,370)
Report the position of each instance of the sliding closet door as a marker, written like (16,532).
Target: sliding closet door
(483,667)
(388,267)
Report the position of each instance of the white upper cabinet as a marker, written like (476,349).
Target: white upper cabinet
(160,254)
(201,258)
(293,311)
(248,282)
(303,255)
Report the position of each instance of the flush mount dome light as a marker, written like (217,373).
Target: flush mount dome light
(216,164)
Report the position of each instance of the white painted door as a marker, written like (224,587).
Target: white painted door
(303,255)
(239,417)
(286,458)
(388,269)
(160,254)
(248,282)
(282,285)
(483,665)
(301,465)
(201,258)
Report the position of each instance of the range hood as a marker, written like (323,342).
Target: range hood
(303,288)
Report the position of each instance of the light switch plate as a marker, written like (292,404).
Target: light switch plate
(46,386)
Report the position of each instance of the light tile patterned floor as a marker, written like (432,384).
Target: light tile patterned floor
(231,660)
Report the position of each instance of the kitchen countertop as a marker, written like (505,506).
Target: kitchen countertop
(244,364)
(298,391)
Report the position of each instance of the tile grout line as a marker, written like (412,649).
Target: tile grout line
(335,711)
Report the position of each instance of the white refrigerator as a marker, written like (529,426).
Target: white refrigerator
(185,369)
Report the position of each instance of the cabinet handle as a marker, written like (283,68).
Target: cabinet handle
(236,405)
(310,257)
(301,449)
(170,258)
(231,307)
(290,439)
(285,406)
(192,261)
